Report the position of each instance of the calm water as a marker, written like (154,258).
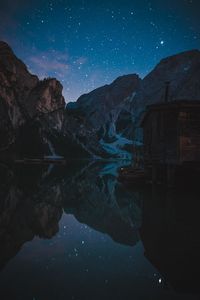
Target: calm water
(74,232)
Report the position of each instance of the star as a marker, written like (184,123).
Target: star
(108,40)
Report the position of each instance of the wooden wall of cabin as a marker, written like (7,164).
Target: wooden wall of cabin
(161,137)
(189,131)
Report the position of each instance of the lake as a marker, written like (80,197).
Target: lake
(75,232)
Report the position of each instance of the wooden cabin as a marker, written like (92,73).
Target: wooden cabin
(171,132)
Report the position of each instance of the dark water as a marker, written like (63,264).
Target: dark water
(74,232)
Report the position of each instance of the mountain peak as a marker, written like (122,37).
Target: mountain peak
(4,45)
(6,53)
(185,55)
(127,78)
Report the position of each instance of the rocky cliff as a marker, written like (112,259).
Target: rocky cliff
(15,85)
(103,104)
(115,111)
(32,112)
(103,123)
(102,109)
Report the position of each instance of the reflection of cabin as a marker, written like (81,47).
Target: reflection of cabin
(172,133)
(170,235)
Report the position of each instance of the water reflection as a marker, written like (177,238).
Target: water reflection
(33,198)
(170,234)
(94,225)
(27,208)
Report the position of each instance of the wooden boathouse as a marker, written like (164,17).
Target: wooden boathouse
(171,136)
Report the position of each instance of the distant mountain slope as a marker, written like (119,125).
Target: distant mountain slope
(115,111)
(101,109)
(101,105)
(103,123)
(181,70)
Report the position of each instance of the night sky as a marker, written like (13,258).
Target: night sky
(86,44)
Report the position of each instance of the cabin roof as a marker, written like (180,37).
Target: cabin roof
(168,106)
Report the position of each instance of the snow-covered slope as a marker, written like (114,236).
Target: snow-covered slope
(101,109)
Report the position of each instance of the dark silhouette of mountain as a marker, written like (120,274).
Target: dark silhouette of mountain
(103,123)
(182,71)
(102,107)
(115,110)
(32,112)
(33,199)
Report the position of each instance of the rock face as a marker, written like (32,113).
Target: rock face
(102,108)
(24,102)
(102,104)
(44,110)
(115,111)
(32,112)
(103,123)
(34,121)
(15,84)
(83,134)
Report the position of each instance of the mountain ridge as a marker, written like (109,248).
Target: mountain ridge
(101,123)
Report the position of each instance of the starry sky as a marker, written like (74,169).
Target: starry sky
(86,44)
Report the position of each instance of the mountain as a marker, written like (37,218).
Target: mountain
(32,113)
(102,104)
(102,107)
(33,199)
(35,122)
(115,111)
(182,71)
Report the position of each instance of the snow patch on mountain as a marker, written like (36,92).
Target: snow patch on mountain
(116,148)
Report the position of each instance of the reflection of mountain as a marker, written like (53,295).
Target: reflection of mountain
(32,198)
(23,215)
(103,205)
(170,234)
